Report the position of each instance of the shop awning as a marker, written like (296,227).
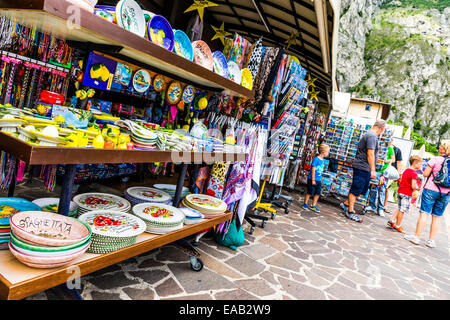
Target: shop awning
(312,20)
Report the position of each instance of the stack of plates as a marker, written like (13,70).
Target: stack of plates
(192,216)
(209,206)
(138,195)
(112,230)
(47,240)
(51,205)
(159,218)
(9,207)
(100,201)
(170,189)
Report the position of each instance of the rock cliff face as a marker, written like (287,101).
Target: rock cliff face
(399,52)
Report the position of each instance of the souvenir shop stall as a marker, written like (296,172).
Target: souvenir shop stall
(124,94)
(343,137)
(98,101)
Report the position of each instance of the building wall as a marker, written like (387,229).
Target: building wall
(358,109)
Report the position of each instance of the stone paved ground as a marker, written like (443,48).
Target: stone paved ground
(301,255)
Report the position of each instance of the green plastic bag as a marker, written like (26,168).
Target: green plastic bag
(232,239)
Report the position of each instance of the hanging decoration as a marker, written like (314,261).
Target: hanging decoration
(313,95)
(221,33)
(310,81)
(200,6)
(292,39)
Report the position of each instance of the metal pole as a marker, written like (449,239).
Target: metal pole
(66,189)
(180,184)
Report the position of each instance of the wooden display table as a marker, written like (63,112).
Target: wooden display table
(18,281)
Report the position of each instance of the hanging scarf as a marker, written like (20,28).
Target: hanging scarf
(254,61)
(203,174)
(217,179)
(265,69)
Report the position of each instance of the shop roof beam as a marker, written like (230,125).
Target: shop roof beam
(261,14)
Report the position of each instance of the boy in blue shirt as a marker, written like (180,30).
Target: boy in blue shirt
(314,183)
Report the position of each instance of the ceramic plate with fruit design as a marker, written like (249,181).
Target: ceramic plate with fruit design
(101,201)
(113,224)
(159,214)
(205,203)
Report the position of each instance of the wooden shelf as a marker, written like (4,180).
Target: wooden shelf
(57,155)
(18,281)
(56,17)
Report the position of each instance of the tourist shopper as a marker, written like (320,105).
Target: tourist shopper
(377,195)
(363,168)
(314,182)
(408,185)
(435,198)
(397,164)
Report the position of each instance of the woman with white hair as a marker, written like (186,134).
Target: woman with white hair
(435,198)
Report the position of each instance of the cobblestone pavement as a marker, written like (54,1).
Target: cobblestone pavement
(301,255)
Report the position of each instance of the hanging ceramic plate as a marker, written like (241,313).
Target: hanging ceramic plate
(173,93)
(246,79)
(101,201)
(188,94)
(158,83)
(183,45)
(220,64)
(141,81)
(206,203)
(203,55)
(113,224)
(160,32)
(148,194)
(159,215)
(130,16)
(234,72)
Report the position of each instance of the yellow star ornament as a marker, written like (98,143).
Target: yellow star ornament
(200,6)
(220,33)
(310,81)
(292,39)
(313,95)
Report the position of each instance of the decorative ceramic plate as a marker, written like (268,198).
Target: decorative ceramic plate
(171,189)
(142,81)
(234,72)
(11,206)
(173,93)
(148,194)
(51,205)
(191,213)
(220,64)
(160,32)
(183,45)
(206,203)
(130,16)
(48,229)
(113,224)
(50,254)
(202,54)
(27,246)
(188,94)
(158,83)
(101,201)
(246,79)
(159,215)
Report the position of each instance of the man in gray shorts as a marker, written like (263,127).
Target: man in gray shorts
(363,168)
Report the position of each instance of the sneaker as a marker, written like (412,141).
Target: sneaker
(431,244)
(305,206)
(398,228)
(412,238)
(314,208)
(370,209)
(381,213)
(391,224)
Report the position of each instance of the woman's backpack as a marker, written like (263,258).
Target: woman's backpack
(442,179)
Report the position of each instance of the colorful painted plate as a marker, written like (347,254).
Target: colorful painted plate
(188,94)
(203,55)
(183,46)
(170,189)
(173,93)
(48,229)
(191,213)
(220,64)
(158,83)
(130,16)
(142,81)
(18,204)
(27,246)
(205,203)
(113,224)
(101,201)
(160,32)
(234,72)
(148,194)
(51,205)
(246,79)
(158,215)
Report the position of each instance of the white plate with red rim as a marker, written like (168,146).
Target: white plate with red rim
(148,194)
